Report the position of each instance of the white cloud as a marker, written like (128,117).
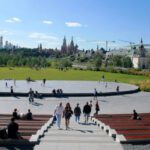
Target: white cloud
(42,36)
(97,42)
(13,20)
(47,22)
(73,24)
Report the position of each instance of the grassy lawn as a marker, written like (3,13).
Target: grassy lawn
(54,74)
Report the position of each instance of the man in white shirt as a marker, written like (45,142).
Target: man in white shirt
(58,113)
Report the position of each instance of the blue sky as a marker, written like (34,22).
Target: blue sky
(90,22)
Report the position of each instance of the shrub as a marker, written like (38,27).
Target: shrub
(145,85)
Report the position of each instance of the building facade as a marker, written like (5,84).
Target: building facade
(140,59)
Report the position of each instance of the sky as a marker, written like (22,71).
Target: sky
(90,22)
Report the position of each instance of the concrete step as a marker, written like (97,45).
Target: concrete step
(77,139)
(84,129)
(75,133)
(79,146)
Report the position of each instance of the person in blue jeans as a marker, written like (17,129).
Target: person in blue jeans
(59,113)
(77,113)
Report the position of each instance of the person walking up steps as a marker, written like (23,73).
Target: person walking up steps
(58,113)
(86,111)
(67,114)
(77,113)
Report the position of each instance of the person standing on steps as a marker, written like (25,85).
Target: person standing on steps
(97,108)
(59,113)
(86,111)
(77,113)
(67,114)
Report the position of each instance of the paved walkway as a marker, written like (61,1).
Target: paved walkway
(78,137)
(67,86)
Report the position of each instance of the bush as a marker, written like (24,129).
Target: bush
(145,85)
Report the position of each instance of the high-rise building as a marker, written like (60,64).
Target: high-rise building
(6,44)
(40,47)
(1,42)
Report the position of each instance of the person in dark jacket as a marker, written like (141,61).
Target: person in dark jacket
(86,111)
(13,128)
(29,115)
(77,113)
(15,114)
(97,108)
(11,90)
(135,115)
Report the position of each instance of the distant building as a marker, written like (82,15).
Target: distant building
(64,46)
(6,44)
(69,49)
(138,55)
(1,42)
(40,47)
(140,59)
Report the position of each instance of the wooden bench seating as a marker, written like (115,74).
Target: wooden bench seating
(132,130)
(27,128)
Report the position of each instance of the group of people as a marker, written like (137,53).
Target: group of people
(27,116)
(66,112)
(57,92)
(11,131)
(13,127)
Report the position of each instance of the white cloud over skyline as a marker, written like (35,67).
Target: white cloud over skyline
(42,36)
(73,24)
(13,20)
(47,22)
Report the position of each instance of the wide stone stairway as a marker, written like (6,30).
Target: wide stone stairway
(77,137)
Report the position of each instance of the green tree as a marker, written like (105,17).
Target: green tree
(98,62)
(127,62)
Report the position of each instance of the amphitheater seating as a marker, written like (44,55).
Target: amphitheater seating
(27,128)
(132,130)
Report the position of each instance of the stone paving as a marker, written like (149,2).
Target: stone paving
(113,104)
(66,86)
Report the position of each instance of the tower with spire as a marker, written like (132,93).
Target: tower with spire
(71,47)
(64,46)
(140,59)
(141,49)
